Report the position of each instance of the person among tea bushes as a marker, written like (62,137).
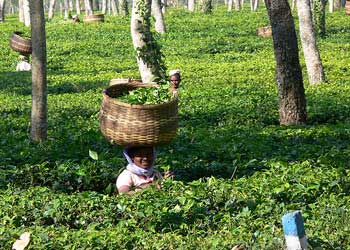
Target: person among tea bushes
(175,79)
(23,64)
(140,172)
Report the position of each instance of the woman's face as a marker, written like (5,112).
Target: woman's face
(143,157)
(175,80)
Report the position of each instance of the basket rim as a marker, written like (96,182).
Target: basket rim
(19,33)
(138,106)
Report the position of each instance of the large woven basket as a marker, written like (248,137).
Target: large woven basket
(21,44)
(94,18)
(136,125)
(265,31)
(347,8)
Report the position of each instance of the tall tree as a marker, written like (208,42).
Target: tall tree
(52,9)
(123,6)
(114,8)
(291,94)
(2,11)
(26,13)
(190,5)
(206,6)
(237,5)
(229,5)
(66,9)
(158,16)
(88,9)
(77,6)
(38,124)
(104,6)
(319,16)
(149,57)
(331,6)
(20,11)
(308,41)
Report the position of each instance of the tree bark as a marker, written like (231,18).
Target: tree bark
(206,6)
(337,4)
(123,6)
(158,16)
(319,17)
(256,5)
(190,5)
(38,128)
(114,8)
(77,6)
(237,5)
(88,9)
(291,95)
(26,13)
(2,11)
(148,52)
(20,11)
(52,9)
(331,6)
(104,6)
(229,5)
(164,4)
(66,8)
(308,41)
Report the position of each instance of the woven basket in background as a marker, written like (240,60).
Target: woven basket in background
(94,18)
(21,44)
(136,125)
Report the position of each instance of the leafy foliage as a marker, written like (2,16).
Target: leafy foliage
(237,171)
(151,95)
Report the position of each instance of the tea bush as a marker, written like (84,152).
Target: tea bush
(237,171)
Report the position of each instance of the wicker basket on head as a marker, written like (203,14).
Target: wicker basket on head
(21,44)
(136,125)
(94,18)
(265,31)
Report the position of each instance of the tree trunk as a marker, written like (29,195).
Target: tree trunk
(308,41)
(331,6)
(88,9)
(123,6)
(77,6)
(38,128)
(52,9)
(94,5)
(256,5)
(319,17)
(20,11)
(252,5)
(292,102)
(337,4)
(164,4)
(104,6)
(229,5)
(148,52)
(114,8)
(190,5)
(237,5)
(206,6)
(2,11)
(158,16)
(26,13)
(66,7)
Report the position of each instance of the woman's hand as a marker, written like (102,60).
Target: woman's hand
(168,174)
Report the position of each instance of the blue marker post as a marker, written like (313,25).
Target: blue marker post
(294,232)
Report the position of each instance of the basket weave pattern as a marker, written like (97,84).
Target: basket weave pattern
(137,125)
(94,18)
(20,44)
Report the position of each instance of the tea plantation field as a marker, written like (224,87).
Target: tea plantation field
(237,171)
